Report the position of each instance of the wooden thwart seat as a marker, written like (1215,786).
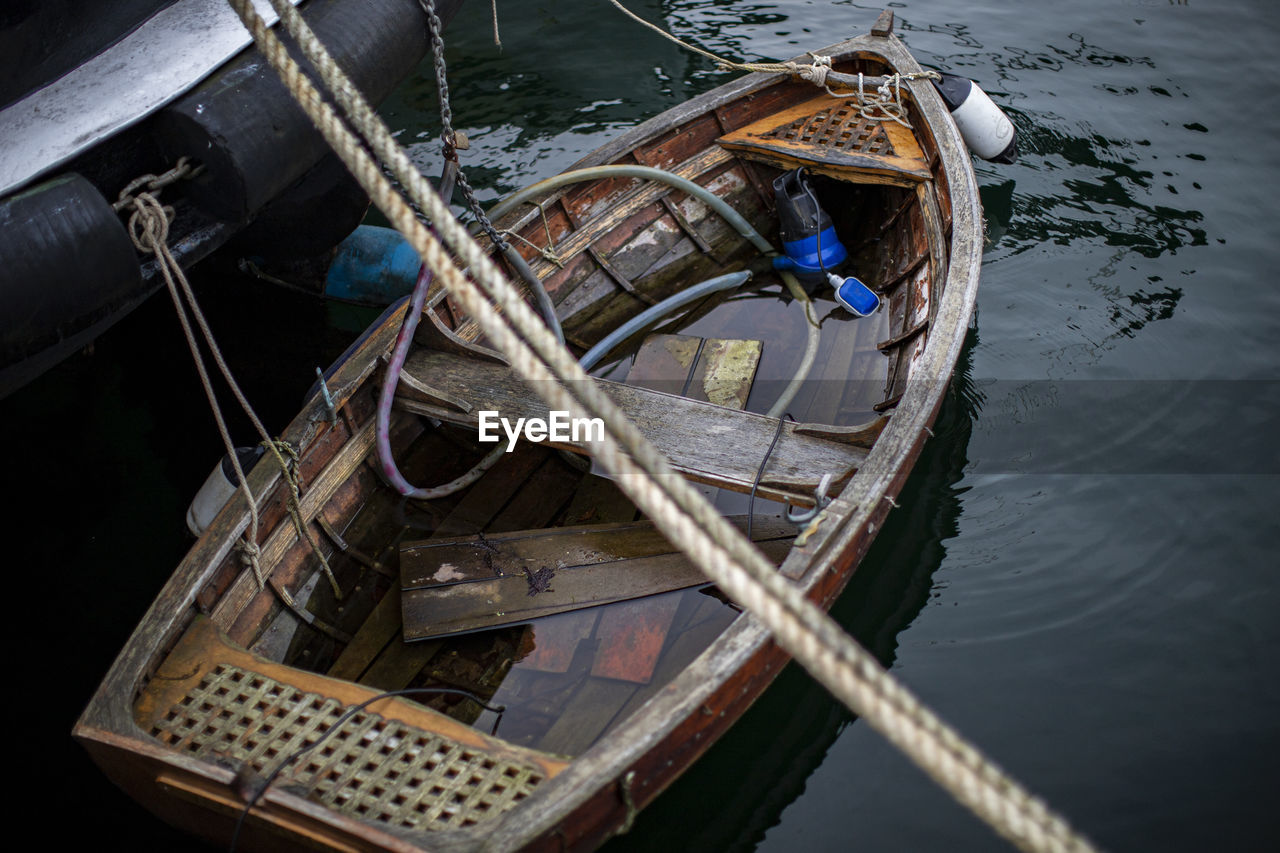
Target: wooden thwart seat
(452,586)
(704,442)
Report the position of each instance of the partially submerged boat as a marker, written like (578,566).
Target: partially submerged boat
(555,661)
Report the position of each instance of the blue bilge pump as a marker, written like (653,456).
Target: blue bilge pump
(809,242)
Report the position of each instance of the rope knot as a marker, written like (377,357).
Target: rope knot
(149,223)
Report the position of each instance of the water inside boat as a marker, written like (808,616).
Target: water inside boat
(534,650)
(564,680)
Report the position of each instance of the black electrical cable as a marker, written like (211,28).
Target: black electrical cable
(751,503)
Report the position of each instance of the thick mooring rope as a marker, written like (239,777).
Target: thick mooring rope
(684,517)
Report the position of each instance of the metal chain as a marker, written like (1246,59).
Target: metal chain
(447,133)
(154,183)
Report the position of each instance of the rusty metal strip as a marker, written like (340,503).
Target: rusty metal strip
(888,223)
(886,405)
(354,553)
(908,270)
(899,340)
(618,278)
(687,227)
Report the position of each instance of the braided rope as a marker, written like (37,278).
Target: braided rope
(885,105)
(149,229)
(683,516)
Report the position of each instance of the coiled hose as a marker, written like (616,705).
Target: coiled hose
(739,223)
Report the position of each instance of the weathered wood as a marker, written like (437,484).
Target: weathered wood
(444,610)
(433,333)
(716,370)
(555,638)
(542,573)
(435,562)
(202,648)
(285,535)
(482,503)
(829,136)
(656,733)
(706,443)
(630,651)
(862,435)
(883,26)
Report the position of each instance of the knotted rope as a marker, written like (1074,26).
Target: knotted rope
(885,105)
(149,229)
(683,516)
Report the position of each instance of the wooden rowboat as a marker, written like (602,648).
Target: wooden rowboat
(537,589)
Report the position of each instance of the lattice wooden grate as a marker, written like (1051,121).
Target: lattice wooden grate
(842,127)
(830,136)
(372,768)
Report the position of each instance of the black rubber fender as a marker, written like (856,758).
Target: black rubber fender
(242,124)
(67,269)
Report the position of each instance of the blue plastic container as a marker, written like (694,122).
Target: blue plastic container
(855,296)
(373,266)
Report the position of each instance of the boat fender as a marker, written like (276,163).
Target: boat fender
(809,242)
(372,266)
(986,129)
(69,270)
(241,123)
(854,296)
(218,488)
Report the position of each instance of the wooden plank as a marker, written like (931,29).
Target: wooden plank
(715,370)
(401,662)
(706,443)
(481,503)
(638,631)
(590,712)
(285,534)
(459,608)
(555,638)
(439,561)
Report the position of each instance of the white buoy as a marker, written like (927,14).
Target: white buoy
(986,129)
(218,488)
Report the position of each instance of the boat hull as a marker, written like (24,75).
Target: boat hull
(928,268)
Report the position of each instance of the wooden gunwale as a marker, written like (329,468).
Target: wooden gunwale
(585,803)
(589,789)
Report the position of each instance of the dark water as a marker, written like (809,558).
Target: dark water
(1077,578)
